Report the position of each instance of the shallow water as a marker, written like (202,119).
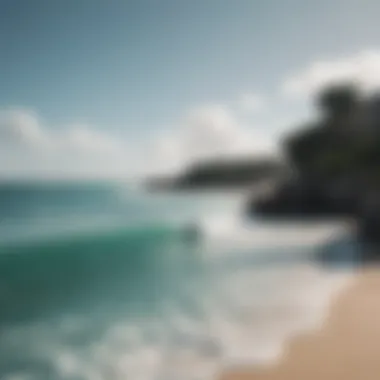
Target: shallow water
(99,281)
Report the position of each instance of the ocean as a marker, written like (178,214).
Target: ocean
(102,281)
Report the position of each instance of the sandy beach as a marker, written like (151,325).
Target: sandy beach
(346,348)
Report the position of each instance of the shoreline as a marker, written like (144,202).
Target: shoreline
(345,348)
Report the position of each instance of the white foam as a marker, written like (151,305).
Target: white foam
(252,315)
(241,315)
(248,317)
(226,232)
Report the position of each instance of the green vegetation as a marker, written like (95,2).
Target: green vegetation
(345,141)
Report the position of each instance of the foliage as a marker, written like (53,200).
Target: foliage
(332,147)
(339,99)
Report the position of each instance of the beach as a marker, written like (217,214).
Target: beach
(347,347)
(103,282)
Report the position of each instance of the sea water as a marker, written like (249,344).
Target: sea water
(102,281)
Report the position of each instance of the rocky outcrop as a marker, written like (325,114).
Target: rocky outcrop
(336,163)
(369,220)
(307,199)
(221,173)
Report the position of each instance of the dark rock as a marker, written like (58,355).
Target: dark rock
(306,199)
(369,220)
(221,174)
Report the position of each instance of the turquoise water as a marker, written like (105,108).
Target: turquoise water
(102,281)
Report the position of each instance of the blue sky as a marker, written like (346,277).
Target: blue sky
(137,68)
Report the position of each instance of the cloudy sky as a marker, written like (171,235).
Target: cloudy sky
(95,88)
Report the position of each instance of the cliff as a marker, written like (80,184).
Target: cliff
(336,165)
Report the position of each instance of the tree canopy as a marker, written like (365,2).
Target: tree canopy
(329,147)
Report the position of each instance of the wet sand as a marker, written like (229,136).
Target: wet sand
(346,348)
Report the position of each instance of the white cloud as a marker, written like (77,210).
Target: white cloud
(84,139)
(362,68)
(210,132)
(20,127)
(29,148)
(251,102)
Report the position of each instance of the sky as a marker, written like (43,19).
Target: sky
(96,88)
